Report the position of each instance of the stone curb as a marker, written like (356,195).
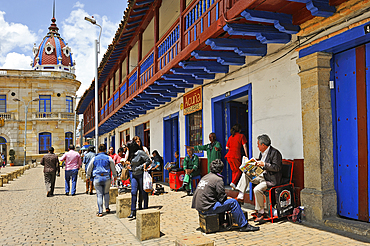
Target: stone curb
(356,227)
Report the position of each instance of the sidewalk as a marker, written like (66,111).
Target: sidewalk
(28,217)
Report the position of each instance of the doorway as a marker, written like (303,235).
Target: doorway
(232,108)
(351,118)
(171,139)
(3,148)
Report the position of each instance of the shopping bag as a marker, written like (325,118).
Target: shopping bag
(147,182)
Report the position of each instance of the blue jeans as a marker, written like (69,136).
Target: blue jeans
(137,185)
(229,205)
(71,174)
(102,190)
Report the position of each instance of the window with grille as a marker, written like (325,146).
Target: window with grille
(195,128)
(45,104)
(69,105)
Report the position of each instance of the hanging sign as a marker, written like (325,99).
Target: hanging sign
(193,101)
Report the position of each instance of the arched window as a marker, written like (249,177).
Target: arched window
(2,140)
(68,140)
(44,142)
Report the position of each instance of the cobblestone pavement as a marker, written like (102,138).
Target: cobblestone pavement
(28,217)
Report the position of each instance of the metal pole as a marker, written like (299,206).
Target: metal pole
(96,96)
(25,131)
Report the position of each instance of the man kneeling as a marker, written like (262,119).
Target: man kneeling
(210,197)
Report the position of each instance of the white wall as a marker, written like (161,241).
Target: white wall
(276,106)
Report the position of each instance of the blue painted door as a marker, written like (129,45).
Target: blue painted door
(235,113)
(351,127)
(171,140)
(113,143)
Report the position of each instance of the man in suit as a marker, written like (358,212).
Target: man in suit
(270,160)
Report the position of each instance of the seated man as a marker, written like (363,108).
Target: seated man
(271,162)
(191,167)
(210,197)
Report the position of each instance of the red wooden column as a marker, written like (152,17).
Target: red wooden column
(140,51)
(156,37)
(363,201)
(127,69)
(182,24)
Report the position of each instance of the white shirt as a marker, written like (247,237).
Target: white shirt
(263,158)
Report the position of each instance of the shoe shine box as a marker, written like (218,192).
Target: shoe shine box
(209,223)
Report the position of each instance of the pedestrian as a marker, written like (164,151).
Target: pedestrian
(213,149)
(87,158)
(138,165)
(72,164)
(100,168)
(234,157)
(4,159)
(191,167)
(1,160)
(51,167)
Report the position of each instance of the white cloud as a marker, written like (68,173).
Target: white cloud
(80,36)
(15,36)
(16,61)
(79,5)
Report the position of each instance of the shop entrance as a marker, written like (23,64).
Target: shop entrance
(3,149)
(171,139)
(229,109)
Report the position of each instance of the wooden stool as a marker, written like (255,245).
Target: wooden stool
(195,240)
(113,193)
(147,224)
(123,206)
(209,223)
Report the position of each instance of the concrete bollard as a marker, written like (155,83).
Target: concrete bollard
(148,224)
(192,240)
(10,177)
(123,206)
(113,193)
(1,182)
(5,178)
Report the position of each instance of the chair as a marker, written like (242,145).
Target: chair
(287,176)
(194,182)
(158,174)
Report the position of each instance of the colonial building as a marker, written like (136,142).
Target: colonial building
(295,70)
(48,91)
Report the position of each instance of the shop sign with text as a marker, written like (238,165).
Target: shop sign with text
(193,101)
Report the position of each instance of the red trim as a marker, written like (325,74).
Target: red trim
(363,201)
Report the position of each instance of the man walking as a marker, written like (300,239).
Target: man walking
(86,160)
(73,163)
(51,167)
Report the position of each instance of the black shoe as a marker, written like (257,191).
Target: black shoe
(73,194)
(249,227)
(67,193)
(190,193)
(132,215)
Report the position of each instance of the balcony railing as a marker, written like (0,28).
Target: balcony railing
(89,125)
(51,116)
(7,116)
(197,18)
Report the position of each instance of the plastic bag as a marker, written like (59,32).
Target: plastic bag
(147,182)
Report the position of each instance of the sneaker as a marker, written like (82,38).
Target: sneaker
(232,185)
(248,228)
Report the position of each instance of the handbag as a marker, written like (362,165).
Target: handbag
(147,182)
(125,174)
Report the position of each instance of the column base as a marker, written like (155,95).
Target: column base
(319,204)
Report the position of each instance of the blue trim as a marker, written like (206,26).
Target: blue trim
(110,102)
(41,49)
(233,95)
(116,96)
(217,11)
(45,100)
(4,140)
(165,144)
(132,79)
(334,117)
(45,147)
(58,49)
(69,104)
(351,38)
(1,102)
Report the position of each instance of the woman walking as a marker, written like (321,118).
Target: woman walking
(234,157)
(138,165)
(100,168)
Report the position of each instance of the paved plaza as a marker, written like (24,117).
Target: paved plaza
(28,217)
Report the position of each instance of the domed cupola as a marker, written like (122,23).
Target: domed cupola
(53,54)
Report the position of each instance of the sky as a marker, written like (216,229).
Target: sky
(25,22)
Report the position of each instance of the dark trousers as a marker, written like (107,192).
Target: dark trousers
(137,185)
(50,182)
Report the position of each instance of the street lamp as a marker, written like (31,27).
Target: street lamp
(97,51)
(25,122)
